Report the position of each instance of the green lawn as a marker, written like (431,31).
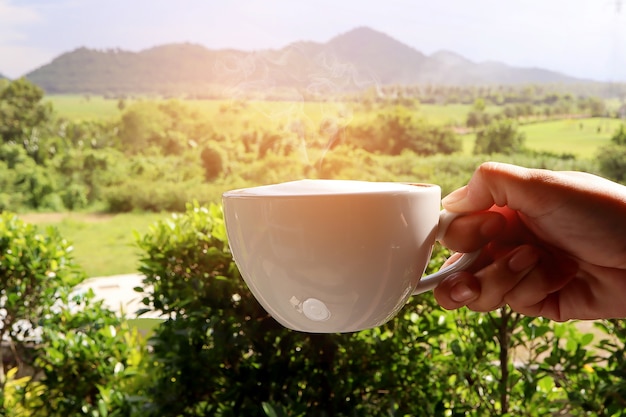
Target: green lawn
(103,244)
(449,114)
(580,137)
(84,107)
(97,107)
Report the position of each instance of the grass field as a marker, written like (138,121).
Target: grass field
(84,107)
(581,137)
(449,114)
(93,107)
(103,244)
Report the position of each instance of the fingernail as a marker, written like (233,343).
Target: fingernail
(525,257)
(461,293)
(454,197)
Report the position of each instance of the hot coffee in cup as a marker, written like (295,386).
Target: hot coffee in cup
(326,256)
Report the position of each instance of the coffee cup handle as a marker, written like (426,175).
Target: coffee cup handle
(429,282)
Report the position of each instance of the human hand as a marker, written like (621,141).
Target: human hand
(554,243)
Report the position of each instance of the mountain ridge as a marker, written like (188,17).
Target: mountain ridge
(351,60)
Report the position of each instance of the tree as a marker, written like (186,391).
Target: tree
(27,183)
(500,136)
(23,116)
(477,119)
(142,126)
(479,105)
(397,130)
(594,105)
(169,127)
(212,161)
(612,157)
(619,138)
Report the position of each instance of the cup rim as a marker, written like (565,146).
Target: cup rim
(248,192)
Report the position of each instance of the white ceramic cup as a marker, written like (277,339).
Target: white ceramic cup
(327,256)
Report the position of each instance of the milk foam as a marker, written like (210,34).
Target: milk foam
(324,187)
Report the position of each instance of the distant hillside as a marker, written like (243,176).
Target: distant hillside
(357,59)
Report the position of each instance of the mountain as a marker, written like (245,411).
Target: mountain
(390,61)
(356,59)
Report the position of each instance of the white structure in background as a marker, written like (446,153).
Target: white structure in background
(118,294)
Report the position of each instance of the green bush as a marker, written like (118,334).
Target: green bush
(612,157)
(171,126)
(142,195)
(34,270)
(71,355)
(500,136)
(75,196)
(212,161)
(155,183)
(397,129)
(612,161)
(89,362)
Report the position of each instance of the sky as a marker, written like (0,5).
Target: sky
(581,38)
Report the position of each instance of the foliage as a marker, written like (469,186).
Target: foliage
(608,379)
(159,154)
(612,161)
(170,126)
(612,157)
(89,361)
(212,162)
(71,356)
(23,116)
(619,138)
(55,164)
(501,136)
(478,118)
(507,364)
(33,271)
(391,132)
(133,184)
(86,134)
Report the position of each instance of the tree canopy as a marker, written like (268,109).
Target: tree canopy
(501,136)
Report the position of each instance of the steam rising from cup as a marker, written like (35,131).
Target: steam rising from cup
(262,78)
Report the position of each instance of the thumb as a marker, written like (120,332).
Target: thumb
(495,183)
